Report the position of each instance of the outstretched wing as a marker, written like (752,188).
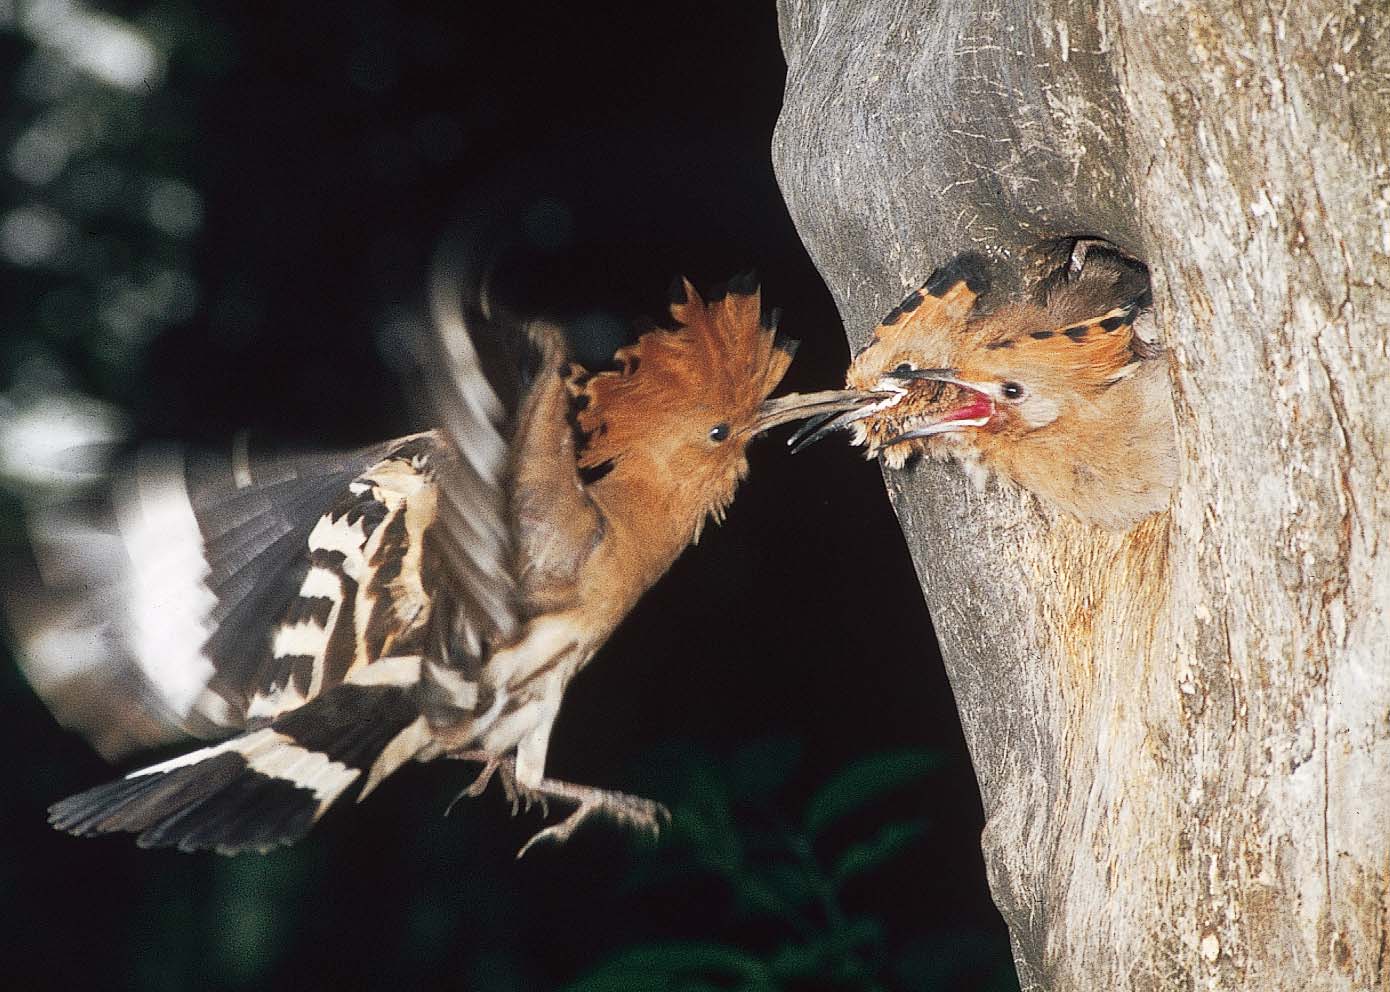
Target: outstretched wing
(203,594)
(338,697)
(144,605)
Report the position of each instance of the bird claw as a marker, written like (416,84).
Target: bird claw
(644,816)
(521,797)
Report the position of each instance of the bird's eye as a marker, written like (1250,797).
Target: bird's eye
(904,367)
(719,432)
(1011,391)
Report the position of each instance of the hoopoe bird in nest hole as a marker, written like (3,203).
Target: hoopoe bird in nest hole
(1055,393)
(334,616)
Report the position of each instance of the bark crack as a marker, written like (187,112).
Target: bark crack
(1345,463)
(1326,783)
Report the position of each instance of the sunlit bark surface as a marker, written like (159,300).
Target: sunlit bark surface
(1182,735)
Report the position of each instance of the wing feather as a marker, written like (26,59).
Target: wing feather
(141,608)
(212,591)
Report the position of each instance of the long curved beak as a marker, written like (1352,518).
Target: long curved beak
(828,423)
(800,406)
(931,375)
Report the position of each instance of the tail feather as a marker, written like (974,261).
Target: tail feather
(131,803)
(251,812)
(263,789)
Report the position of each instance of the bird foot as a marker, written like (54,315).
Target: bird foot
(645,816)
(642,815)
(521,797)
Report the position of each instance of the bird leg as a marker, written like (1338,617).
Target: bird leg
(643,815)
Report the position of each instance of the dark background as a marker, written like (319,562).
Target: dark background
(220,236)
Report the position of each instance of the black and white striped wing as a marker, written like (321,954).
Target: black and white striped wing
(335,704)
(415,555)
(305,603)
(146,605)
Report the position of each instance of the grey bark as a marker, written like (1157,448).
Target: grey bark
(1181,735)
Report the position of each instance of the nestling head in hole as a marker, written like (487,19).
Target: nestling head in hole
(1053,392)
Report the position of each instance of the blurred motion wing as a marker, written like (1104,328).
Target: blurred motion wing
(144,606)
(200,594)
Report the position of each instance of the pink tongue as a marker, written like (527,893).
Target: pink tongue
(982,407)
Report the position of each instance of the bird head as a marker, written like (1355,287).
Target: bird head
(1016,371)
(1054,393)
(673,422)
(907,367)
(953,377)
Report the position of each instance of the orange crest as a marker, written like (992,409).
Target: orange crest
(1091,351)
(924,329)
(721,361)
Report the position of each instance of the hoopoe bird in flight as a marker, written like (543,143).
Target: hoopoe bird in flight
(334,616)
(1054,394)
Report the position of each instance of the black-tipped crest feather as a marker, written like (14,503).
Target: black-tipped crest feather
(969,268)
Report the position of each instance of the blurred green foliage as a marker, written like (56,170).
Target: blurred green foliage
(789,878)
(103,206)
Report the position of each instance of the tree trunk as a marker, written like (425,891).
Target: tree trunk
(1181,734)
